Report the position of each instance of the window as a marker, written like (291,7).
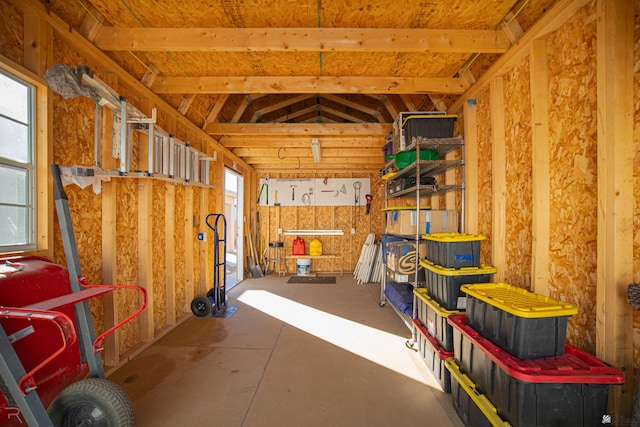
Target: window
(17,172)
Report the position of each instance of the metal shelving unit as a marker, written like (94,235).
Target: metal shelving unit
(406,183)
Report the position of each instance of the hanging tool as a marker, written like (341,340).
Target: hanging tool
(265,184)
(369,199)
(275,198)
(357,186)
(293,192)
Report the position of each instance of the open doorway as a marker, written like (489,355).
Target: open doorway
(233,208)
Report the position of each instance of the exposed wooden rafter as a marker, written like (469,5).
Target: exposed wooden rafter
(308,84)
(301,39)
(338,129)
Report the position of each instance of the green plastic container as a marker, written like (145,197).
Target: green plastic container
(405,158)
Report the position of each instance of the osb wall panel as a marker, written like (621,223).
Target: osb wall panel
(323,217)
(73,145)
(485,180)
(179,245)
(11,36)
(159,261)
(573,187)
(126,254)
(636,179)
(199,217)
(518,176)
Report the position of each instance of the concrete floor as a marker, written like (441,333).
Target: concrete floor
(291,355)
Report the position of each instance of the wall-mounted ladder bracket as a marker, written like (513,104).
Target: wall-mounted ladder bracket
(159,155)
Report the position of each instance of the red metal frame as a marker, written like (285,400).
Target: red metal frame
(40,291)
(97,344)
(65,327)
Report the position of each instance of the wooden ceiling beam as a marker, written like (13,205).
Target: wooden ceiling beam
(308,163)
(295,114)
(300,40)
(350,104)
(341,114)
(215,110)
(300,141)
(277,106)
(283,151)
(308,84)
(308,129)
(248,100)
(319,119)
(319,169)
(185,104)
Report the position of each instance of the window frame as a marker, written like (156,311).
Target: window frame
(31,203)
(41,159)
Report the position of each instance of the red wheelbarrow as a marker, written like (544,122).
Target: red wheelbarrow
(45,361)
(51,371)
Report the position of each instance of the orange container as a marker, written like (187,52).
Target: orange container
(298,246)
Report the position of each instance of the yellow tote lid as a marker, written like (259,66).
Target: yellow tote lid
(453,237)
(466,271)
(388,175)
(429,116)
(470,388)
(405,208)
(519,302)
(423,295)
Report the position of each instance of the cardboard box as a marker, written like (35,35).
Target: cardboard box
(401,260)
(406,222)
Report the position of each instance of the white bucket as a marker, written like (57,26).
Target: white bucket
(304,266)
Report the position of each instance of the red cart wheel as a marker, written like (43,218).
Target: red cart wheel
(92,401)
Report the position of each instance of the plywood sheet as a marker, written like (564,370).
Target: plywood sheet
(127,271)
(237,63)
(573,147)
(198,216)
(11,36)
(179,246)
(159,261)
(401,64)
(223,14)
(459,14)
(485,184)
(73,145)
(517,101)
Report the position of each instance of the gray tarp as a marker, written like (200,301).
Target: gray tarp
(67,82)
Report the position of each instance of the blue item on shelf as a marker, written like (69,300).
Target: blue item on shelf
(401,296)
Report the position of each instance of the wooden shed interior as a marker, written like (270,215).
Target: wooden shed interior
(547,98)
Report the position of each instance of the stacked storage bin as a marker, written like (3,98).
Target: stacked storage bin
(434,336)
(512,364)
(451,260)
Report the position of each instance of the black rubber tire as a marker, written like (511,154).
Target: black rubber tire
(201,307)
(92,401)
